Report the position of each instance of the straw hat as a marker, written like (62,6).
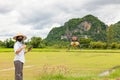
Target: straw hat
(20,34)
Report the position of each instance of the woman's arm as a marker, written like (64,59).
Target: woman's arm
(20,49)
(29,49)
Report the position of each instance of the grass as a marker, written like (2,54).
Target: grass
(60,64)
(62,77)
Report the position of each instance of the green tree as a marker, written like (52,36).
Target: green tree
(109,34)
(2,44)
(37,42)
(114,33)
(9,43)
(85,42)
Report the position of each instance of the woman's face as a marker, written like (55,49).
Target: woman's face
(19,38)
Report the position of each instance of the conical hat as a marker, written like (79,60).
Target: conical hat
(20,34)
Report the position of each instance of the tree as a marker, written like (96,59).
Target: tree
(37,42)
(2,44)
(85,42)
(9,43)
(114,33)
(109,34)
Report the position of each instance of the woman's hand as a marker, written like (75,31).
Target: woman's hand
(24,46)
(30,48)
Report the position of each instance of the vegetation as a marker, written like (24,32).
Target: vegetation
(114,33)
(36,42)
(59,64)
(8,43)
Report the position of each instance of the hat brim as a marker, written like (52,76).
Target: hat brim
(24,37)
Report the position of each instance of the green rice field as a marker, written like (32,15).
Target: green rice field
(60,64)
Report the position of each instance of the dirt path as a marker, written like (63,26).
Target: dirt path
(8,69)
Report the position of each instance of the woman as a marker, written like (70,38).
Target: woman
(19,60)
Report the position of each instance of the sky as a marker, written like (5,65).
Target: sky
(38,17)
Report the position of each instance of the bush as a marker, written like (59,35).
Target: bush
(98,45)
(115,45)
(61,45)
(85,42)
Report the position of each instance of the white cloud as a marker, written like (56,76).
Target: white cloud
(7,5)
(110,14)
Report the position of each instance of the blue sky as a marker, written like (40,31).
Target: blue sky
(38,17)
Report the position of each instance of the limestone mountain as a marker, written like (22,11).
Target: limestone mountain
(87,27)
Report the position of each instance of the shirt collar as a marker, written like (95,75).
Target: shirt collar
(19,42)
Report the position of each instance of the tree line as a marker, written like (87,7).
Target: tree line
(38,42)
(35,42)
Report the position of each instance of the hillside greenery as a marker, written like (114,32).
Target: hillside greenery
(88,26)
